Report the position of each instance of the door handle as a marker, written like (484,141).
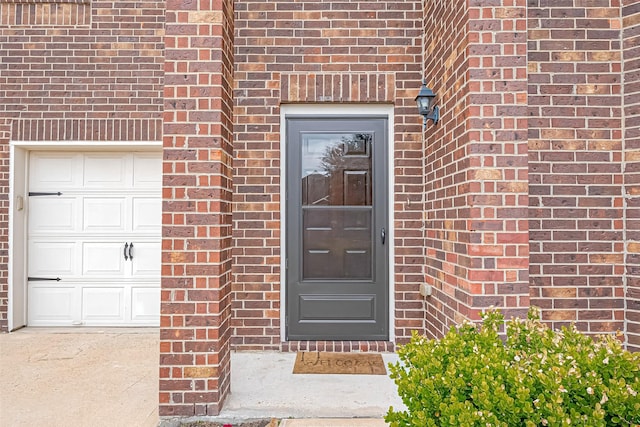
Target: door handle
(383,235)
(131,251)
(126,246)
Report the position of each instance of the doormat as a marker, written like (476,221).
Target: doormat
(322,362)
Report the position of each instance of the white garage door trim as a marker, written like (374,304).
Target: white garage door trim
(19,156)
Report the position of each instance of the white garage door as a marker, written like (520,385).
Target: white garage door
(94,232)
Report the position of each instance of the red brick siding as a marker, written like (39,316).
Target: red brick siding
(46,13)
(475,161)
(498,175)
(197,191)
(339,346)
(110,69)
(446,73)
(356,87)
(68,129)
(575,163)
(631,68)
(331,42)
(65,77)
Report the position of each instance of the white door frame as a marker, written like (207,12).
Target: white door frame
(344,110)
(18,188)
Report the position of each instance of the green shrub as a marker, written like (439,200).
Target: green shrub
(537,377)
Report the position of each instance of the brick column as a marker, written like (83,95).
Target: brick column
(476,188)
(196,257)
(497,222)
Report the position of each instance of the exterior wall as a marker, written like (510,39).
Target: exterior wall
(76,71)
(631,69)
(465,191)
(445,161)
(575,164)
(475,161)
(319,52)
(196,260)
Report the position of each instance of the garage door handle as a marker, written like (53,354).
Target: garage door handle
(131,251)
(126,246)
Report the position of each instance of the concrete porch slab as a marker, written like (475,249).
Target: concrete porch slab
(263,385)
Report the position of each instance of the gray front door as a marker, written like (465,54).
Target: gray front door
(337,228)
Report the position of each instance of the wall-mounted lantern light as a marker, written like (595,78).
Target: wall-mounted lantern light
(425,105)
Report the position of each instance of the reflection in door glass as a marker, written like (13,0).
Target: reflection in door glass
(336,169)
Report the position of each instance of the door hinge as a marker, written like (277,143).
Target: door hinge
(41,193)
(286,263)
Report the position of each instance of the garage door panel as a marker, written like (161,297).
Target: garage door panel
(103,304)
(146,259)
(147,171)
(102,214)
(105,171)
(51,304)
(53,258)
(147,214)
(52,214)
(103,259)
(145,304)
(108,199)
(50,171)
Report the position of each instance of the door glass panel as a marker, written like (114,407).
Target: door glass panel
(337,206)
(336,169)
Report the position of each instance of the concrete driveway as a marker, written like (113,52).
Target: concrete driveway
(79,377)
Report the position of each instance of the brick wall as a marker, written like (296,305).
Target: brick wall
(326,47)
(475,161)
(104,66)
(631,76)
(575,163)
(196,254)
(77,71)
(445,161)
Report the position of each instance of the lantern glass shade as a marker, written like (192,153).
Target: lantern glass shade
(425,100)
(424,104)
